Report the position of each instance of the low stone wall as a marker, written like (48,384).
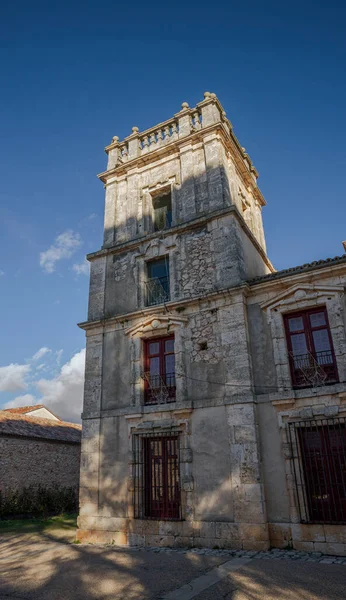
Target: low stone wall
(25,462)
(200,534)
(328,539)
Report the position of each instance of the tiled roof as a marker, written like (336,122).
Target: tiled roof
(21,410)
(300,269)
(35,427)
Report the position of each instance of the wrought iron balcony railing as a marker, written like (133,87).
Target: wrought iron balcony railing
(157,290)
(159,389)
(313,370)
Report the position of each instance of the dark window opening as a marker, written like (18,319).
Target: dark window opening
(159,371)
(318,450)
(310,347)
(157,282)
(156,477)
(162,211)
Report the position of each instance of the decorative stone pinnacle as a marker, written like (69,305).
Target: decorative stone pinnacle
(224,114)
(213,95)
(206,94)
(135,129)
(184,105)
(115,139)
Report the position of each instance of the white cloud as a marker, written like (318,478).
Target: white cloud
(82,269)
(58,356)
(41,352)
(64,393)
(64,247)
(25,400)
(12,377)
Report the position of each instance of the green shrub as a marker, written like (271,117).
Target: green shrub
(37,501)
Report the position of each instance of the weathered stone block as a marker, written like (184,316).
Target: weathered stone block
(335,533)
(208,530)
(303,546)
(151,527)
(228,531)
(135,539)
(255,545)
(254,532)
(308,533)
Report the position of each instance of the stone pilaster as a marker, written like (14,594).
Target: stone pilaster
(187,190)
(247,484)
(97,289)
(109,218)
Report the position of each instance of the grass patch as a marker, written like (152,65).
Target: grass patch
(63,521)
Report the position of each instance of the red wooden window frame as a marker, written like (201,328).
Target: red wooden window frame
(161,477)
(329,368)
(168,379)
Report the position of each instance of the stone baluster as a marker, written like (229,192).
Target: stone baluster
(145,141)
(196,122)
(152,138)
(159,137)
(133,145)
(124,152)
(167,134)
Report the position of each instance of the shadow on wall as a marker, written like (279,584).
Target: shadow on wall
(44,568)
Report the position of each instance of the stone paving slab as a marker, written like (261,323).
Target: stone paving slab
(274,580)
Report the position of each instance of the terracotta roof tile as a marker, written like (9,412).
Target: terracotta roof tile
(20,425)
(300,269)
(20,410)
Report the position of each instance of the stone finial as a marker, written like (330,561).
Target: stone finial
(206,94)
(135,130)
(115,139)
(213,95)
(184,105)
(344,245)
(224,114)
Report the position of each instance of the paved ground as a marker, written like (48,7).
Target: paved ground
(47,566)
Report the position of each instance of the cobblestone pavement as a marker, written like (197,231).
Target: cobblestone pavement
(41,566)
(263,555)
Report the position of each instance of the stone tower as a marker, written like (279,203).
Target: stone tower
(170,447)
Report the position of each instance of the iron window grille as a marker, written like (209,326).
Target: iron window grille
(318,454)
(157,284)
(156,476)
(159,370)
(310,348)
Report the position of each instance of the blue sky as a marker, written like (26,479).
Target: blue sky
(75,74)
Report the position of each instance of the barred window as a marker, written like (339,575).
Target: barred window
(318,450)
(156,477)
(310,348)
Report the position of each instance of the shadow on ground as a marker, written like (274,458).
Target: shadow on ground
(43,565)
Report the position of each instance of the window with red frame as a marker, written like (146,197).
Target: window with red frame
(159,376)
(310,347)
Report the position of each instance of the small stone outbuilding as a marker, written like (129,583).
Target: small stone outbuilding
(38,448)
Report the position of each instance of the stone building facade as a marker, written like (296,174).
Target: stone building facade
(214,385)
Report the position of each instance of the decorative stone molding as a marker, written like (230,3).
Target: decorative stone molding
(154,324)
